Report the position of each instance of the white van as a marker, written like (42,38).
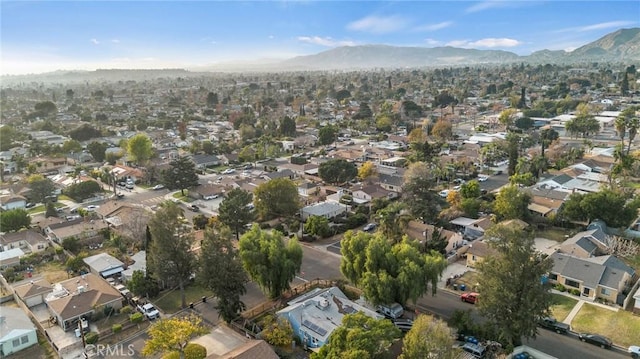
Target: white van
(476,350)
(393,310)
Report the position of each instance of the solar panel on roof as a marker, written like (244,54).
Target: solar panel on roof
(314,327)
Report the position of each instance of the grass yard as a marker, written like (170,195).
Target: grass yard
(622,327)
(64,197)
(633,262)
(171,302)
(561,306)
(554,234)
(53,272)
(42,208)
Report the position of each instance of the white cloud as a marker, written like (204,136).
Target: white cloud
(115,41)
(95,41)
(485,5)
(598,26)
(325,41)
(434,27)
(379,24)
(488,43)
(432,42)
(271,37)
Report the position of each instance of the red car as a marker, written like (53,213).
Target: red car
(470,297)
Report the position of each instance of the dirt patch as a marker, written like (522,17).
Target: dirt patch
(53,272)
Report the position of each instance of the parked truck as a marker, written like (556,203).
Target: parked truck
(552,324)
(393,310)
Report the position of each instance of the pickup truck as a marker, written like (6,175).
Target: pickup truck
(552,324)
(149,311)
(634,350)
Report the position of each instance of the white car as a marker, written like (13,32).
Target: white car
(157,187)
(228,171)
(92,207)
(149,311)
(482,178)
(444,193)
(210,197)
(634,350)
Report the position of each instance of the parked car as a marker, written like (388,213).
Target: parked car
(194,208)
(391,311)
(149,311)
(482,178)
(552,324)
(596,339)
(477,350)
(157,187)
(228,171)
(634,350)
(210,197)
(29,205)
(369,227)
(471,297)
(129,186)
(444,193)
(120,195)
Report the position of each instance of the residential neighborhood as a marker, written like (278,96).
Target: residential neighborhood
(271,212)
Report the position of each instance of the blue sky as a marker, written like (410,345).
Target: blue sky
(45,36)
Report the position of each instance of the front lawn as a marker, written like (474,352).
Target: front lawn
(561,306)
(171,302)
(622,327)
(42,208)
(469,279)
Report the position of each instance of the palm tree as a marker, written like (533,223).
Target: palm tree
(621,127)
(632,126)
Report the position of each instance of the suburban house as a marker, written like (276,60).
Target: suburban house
(471,228)
(34,292)
(285,173)
(203,161)
(477,252)
(139,263)
(603,277)
(424,232)
(323,209)
(11,257)
(46,164)
(545,201)
(30,241)
(208,191)
(301,170)
(365,194)
(12,201)
(249,350)
(104,265)
(78,228)
(121,172)
(636,306)
(390,182)
(586,244)
(315,315)
(80,297)
(16,331)
(307,189)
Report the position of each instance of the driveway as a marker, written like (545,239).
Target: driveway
(546,246)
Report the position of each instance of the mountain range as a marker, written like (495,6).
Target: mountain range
(619,46)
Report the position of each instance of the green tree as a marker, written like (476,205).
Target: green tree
(429,338)
(437,242)
(277,331)
(276,198)
(547,136)
(511,203)
(512,295)
(46,108)
(393,221)
(235,212)
(337,171)
(268,261)
(383,123)
(83,190)
(612,207)
(97,150)
(389,272)
(417,194)
(470,189)
(142,285)
(41,188)
(71,146)
(85,133)
(524,123)
(317,226)
(208,147)
(140,148)
(173,334)
(288,127)
(173,261)
(507,117)
(14,220)
(442,130)
(359,337)
(327,134)
(50,210)
(181,174)
(584,123)
(220,270)
(72,244)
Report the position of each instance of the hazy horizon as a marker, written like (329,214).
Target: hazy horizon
(40,37)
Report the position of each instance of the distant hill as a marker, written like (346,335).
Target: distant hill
(621,45)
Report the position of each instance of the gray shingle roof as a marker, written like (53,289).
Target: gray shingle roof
(579,269)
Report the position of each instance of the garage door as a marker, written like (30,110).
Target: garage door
(33,301)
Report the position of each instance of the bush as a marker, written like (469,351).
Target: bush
(265,225)
(91,338)
(560,287)
(191,351)
(136,318)
(107,311)
(116,328)
(575,292)
(126,310)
